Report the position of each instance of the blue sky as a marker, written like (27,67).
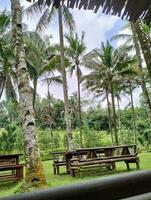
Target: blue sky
(4,3)
(98,28)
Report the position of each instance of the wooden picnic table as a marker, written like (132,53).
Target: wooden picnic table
(90,153)
(110,152)
(107,151)
(10,163)
(12,158)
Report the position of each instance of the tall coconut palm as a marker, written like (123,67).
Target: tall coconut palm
(48,14)
(143,82)
(37,57)
(133,111)
(34,170)
(130,84)
(119,113)
(48,79)
(93,82)
(7,71)
(138,53)
(64,79)
(75,50)
(45,19)
(145,43)
(113,64)
(132,38)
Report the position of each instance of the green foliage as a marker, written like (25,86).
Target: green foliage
(97,118)
(19,142)
(93,138)
(126,136)
(9,113)
(42,113)
(95,127)
(8,139)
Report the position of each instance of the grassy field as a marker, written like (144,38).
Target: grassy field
(64,179)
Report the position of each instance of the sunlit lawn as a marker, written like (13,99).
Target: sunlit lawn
(64,179)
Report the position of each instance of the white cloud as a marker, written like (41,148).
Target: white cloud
(25,3)
(96,26)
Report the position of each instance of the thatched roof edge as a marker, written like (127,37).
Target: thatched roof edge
(126,9)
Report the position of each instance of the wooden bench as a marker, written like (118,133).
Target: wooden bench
(108,161)
(58,161)
(10,169)
(15,175)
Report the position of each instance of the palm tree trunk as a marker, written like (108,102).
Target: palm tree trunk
(65,87)
(119,116)
(79,106)
(141,72)
(50,116)
(114,116)
(109,115)
(145,44)
(34,92)
(34,170)
(133,113)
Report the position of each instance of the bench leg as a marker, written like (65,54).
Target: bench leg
(54,170)
(108,167)
(127,165)
(57,170)
(137,164)
(113,166)
(19,173)
(72,172)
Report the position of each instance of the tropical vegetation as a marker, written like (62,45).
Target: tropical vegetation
(30,63)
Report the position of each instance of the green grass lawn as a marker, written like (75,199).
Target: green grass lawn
(64,179)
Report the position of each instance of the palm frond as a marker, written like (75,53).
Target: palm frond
(122,36)
(43,21)
(68,18)
(34,8)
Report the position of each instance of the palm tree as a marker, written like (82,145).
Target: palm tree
(93,82)
(130,84)
(133,111)
(65,90)
(144,40)
(119,113)
(143,82)
(113,65)
(7,71)
(48,79)
(132,38)
(37,57)
(47,15)
(34,170)
(75,51)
